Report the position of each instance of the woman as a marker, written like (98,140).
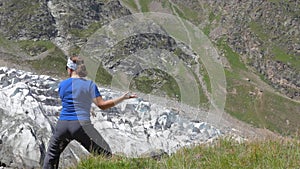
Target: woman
(77,95)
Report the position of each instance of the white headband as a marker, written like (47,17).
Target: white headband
(71,64)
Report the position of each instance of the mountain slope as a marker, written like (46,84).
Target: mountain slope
(257,41)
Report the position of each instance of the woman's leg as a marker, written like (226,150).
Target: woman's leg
(90,138)
(58,142)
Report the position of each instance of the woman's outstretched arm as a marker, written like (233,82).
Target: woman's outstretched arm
(105,104)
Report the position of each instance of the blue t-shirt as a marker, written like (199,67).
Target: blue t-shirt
(77,96)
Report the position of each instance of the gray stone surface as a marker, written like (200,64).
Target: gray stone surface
(134,128)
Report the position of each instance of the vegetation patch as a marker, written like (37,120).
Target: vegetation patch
(8,46)
(206,30)
(206,79)
(258,29)
(48,58)
(103,76)
(34,48)
(85,33)
(232,57)
(145,5)
(212,17)
(157,82)
(131,4)
(190,14)
(284,57)
(241,101)
(54,64)
(225,154)
(253,104)
(178,12)
(261,108)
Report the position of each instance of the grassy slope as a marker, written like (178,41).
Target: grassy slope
(279,53)
(255,104)
(51,63)
(266,108)
(225,154)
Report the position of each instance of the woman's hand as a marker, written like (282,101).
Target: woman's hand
(129,96)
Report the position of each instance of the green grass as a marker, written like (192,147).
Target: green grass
(264,109)
(284,57)
(205,75)
(53,64)
(145,5)
(190,14)
(207,81)
(274,1)
(212,17)
(266,34)
(171,88)
(144,84)
(240,103)
(279,53)
(103,76)
(8,46)
(131,3)
(34,48)
(158,80)
(179,12)
(206,30)
(85,33)
(258,29)
(97,162)
(166,4)
(232,57)
(74,50)
(182,11)
(225,154)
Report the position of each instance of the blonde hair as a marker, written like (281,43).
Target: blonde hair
(81,69)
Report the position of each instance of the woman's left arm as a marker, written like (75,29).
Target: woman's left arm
(105,104)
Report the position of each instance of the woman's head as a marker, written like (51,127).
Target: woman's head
(76,64)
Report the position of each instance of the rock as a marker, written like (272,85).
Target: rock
(55,20)
(133,128)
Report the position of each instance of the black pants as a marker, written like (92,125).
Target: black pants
(66,131)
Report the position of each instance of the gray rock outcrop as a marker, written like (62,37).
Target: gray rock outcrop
(29,111)
(55,20)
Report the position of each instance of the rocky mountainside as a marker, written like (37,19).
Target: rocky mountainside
(257,42)
(55,20)
(135,128)
(30,107)
(265,34)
